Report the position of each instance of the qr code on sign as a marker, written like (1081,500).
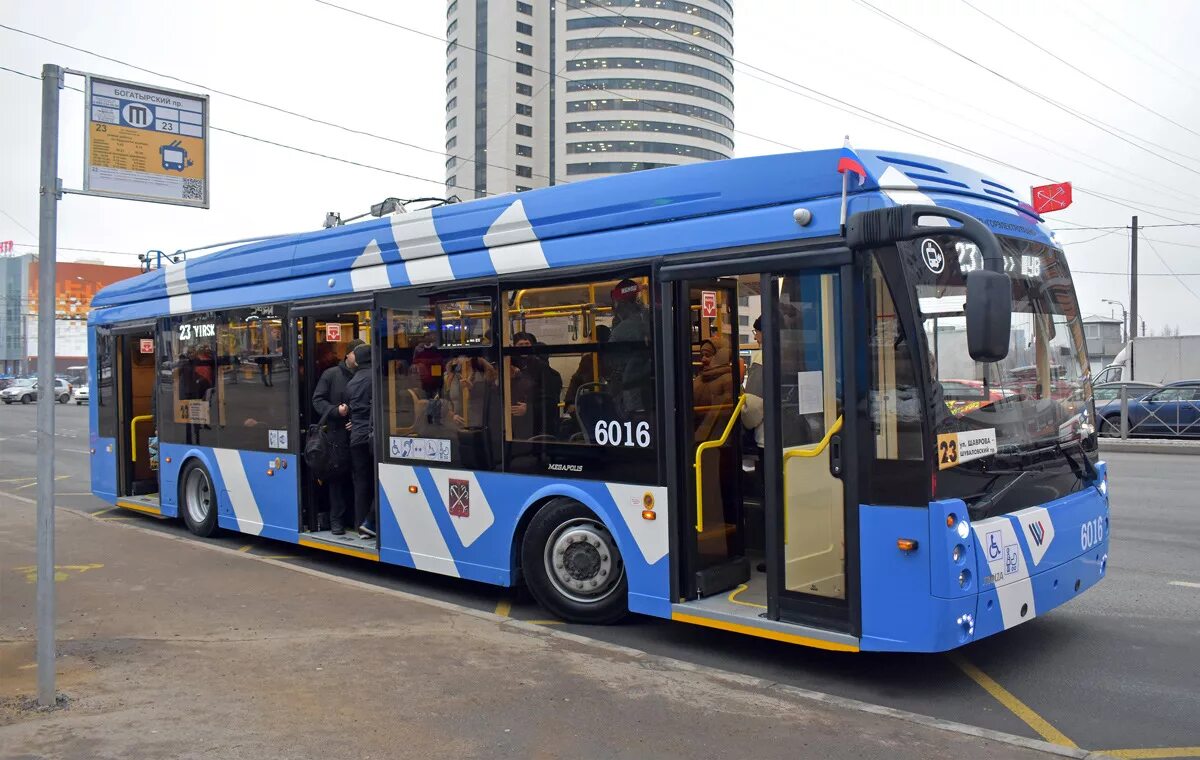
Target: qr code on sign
(193,189)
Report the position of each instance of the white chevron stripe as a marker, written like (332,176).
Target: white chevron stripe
(179,298)
(237,486)
(512,244)
(368,272)
(415,518)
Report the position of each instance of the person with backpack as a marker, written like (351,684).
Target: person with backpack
(362,458)
(328,401)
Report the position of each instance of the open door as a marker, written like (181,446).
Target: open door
(710,404)
(807,442)
(137,430)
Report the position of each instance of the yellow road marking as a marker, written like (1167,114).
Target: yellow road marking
(17,480)
(276,556)
(30,666)
(503,607)
(31,485)
(245,548)
(1010,701)
(764,633)
(339,550)
(733,594)
(60,571)
(103,512)
(1152,752)
(546,622)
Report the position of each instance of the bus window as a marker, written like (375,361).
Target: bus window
(253,380)
(440,382)
(895,398)
(187,379)
(104,400)
(578,370)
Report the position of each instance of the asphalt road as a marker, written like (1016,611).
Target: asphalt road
(1118,669)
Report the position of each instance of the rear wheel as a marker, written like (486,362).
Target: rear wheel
(572,565)
(64,398)
(198,500)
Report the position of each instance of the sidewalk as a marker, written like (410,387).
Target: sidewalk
(173,649)
(1149,446)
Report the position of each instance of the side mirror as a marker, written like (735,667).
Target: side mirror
(989,315)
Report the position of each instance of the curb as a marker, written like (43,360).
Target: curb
(661,661)
(1119,446)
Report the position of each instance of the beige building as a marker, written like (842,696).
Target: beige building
(552,91)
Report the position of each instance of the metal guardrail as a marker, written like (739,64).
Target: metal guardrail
(1173,418)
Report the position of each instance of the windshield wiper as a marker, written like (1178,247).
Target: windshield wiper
(1087,471)
(980,508)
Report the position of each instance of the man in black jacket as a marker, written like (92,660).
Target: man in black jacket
(362,459)
(331,395)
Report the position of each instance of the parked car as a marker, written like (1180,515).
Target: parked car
(25,390)
(1171,410)
(1108,401)
(80,394)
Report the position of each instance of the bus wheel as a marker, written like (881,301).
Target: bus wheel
(198,500)
(572,565)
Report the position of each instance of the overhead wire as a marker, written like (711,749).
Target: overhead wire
(1087,119)
(286,146)
(1078,70)
(858,111)
(1178,277)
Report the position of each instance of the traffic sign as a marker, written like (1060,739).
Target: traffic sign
(145,143)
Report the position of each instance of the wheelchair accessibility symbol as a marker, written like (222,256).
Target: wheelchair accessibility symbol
(993,545)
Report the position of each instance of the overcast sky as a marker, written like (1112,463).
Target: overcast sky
(328,63)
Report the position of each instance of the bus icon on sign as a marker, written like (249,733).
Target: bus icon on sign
(174,156)
(137,115)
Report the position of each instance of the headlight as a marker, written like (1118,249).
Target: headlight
(964,530)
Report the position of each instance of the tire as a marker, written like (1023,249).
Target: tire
(572,565)
(78,403)
(64,398)
(1110,427)
(26,399)
(198,500)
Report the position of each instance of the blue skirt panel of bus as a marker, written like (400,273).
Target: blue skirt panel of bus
(1008,570)
(256,490)
(463,523)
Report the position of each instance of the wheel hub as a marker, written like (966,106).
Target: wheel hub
(582,561)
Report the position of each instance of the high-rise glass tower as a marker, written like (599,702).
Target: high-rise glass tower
(552,91)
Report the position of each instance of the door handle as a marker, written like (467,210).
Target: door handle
(835,456)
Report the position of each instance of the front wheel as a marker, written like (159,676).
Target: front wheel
(198,500)
(572,565)
(26,398)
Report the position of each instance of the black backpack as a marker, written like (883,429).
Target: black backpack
(326,453)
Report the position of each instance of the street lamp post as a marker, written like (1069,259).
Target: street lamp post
(1124,318)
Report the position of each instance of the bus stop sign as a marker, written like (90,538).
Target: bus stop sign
(145,143)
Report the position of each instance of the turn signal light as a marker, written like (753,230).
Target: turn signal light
(906,544)
(167,460)
(270,473)
(413,489)
(648,514)
(951,519)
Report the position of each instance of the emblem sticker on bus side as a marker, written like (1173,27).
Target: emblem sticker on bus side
(955,448)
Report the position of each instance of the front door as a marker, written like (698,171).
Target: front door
(809,427)
(710,386)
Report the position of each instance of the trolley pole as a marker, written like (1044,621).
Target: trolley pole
(52,81)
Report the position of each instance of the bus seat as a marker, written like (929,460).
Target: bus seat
(592,404)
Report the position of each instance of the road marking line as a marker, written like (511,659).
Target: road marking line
(79,493)
(503,607)
(30,666)
(1010,701)
(1185,584)
(545,622)
(34,483)
(103,512)
(245,548)
(17,480)
(1152,752)
(76,451)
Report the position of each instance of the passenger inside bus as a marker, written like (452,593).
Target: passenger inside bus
(330,398)
(362,458)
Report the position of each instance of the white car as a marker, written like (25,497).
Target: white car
(80,394)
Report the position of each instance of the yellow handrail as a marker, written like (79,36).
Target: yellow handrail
(737,410)
(133,423)
(806,453)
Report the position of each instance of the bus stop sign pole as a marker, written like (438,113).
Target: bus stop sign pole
(52,81)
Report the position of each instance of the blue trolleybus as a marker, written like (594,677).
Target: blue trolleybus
(691,392)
